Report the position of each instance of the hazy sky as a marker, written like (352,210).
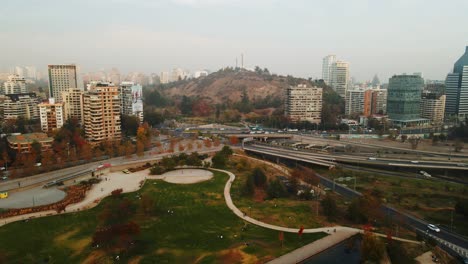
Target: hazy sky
(286,36)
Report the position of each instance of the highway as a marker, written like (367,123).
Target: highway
(417,164)
(412,221)
(9,185)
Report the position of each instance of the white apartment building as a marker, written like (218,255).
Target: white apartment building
(61,79)
(327,67)
(21,105)
(101,111)
(131,99)
(340,77)
(15,85)
(304,104)
(52,115)
(164,77)
(433,106)
(354,101)
(73,104)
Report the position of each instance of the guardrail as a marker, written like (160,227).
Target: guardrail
(61,180)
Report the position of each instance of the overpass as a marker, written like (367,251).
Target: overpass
(358,160)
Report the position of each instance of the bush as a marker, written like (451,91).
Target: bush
(329,206)
(276,189)
(260,178)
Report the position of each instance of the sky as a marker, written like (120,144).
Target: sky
(383,37)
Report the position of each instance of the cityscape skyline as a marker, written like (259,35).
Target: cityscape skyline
(208,34)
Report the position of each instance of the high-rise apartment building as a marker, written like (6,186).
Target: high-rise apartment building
(164,77)
(354,101)
(52,115)
(378,102)
(340,77)
(304,104)
(131,99)
(327,67)
(403,100)
(15,85)
(433,106)
(101,111)
(21,105)
(73,104)
(456,89)
(61,79)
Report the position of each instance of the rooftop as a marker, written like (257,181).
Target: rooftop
(29,138)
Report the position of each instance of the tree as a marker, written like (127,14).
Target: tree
(129,125)
(233,140)
(186,105)
(414,141)
(458,145)
(259,177)
(461,207)
(249,186)
(276,189)
(372,248)
(330,209)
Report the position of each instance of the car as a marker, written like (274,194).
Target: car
(414,161)
(38,164)
(433,227)
(4,178)
(461,164)
(126,171)
(372,158)
(2,168)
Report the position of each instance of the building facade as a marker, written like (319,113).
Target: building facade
(456,89)
(164,77)
(403,100)
(304,104)
(21,105)
(354,101)
(61,79)
(340,77)
(52,115)
(73,104)
(433,106)
(23,143)
(131,99)
(101,112)
(327,67)
(15,85)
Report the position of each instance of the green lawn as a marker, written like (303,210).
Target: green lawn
(289,211)
(191,234)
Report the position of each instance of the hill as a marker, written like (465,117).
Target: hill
(229,85)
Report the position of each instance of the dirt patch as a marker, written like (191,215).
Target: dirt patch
(97,256)
(60,239)
(231,256)
(77,246)
(259,195)
(135,260)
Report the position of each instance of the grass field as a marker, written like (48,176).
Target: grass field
(288,212)
(186,227)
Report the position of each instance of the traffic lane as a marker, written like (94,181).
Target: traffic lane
(422,225)
(408,219)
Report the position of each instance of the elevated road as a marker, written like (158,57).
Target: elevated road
(419,164)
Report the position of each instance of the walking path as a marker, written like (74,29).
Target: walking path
(134,181)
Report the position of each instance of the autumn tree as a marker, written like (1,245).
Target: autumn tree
(201,108)
(372,248)
(233,140)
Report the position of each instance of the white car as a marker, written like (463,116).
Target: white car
(433,227)
(372,158)
(415,161)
